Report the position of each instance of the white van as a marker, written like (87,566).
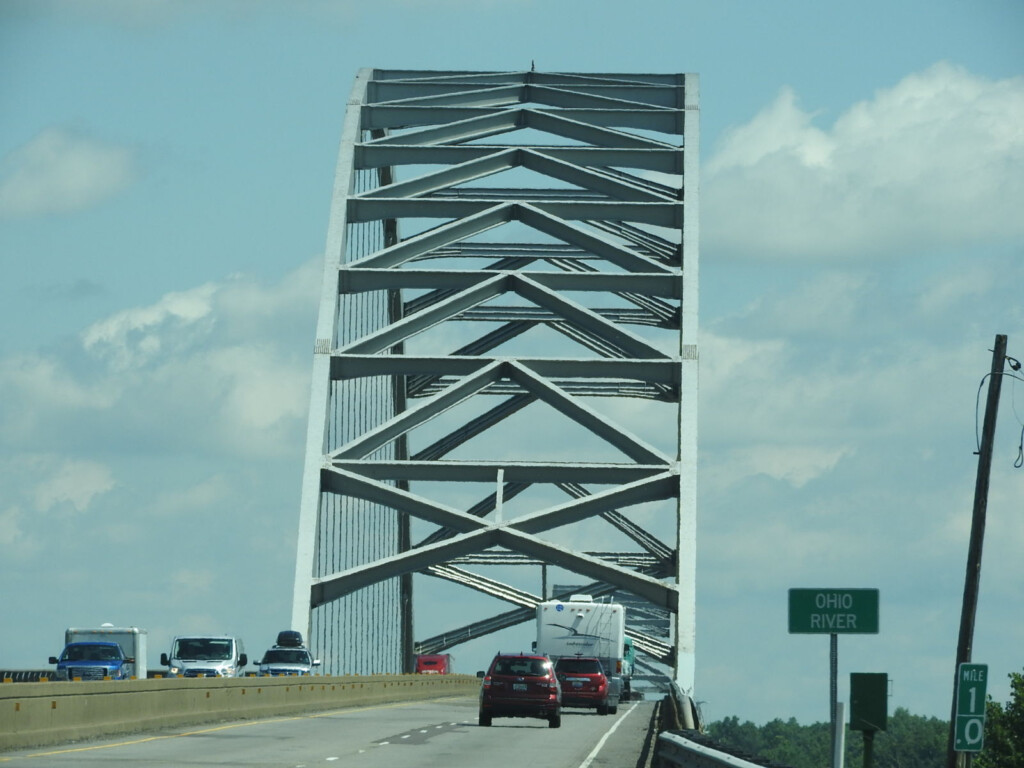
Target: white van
(205,656)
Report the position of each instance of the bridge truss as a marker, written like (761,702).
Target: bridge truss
(505,368)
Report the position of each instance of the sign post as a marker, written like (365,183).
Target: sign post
(971,685)
(833,612)
(869,708)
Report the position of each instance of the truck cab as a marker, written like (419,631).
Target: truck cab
(205,656)
(92,661)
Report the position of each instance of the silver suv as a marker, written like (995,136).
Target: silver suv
(287,661)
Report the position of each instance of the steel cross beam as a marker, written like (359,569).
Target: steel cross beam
(539,246)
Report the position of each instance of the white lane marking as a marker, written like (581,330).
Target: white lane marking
(597,748)
(406,736)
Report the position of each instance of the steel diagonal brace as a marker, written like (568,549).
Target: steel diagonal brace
(446,234)
(658,592)
(384,91)
(483,507)
(472,428)
(482,584)
(592,242)
(656,488)
(629,444)
(571,99)
(497,122)
(586,132)
(337,585)
(409,419)
(498,96)
(650,645)
(497,161)
(336,480)
(584,177)
(583,317)
(396,333)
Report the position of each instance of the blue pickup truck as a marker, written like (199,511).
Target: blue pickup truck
(92,661)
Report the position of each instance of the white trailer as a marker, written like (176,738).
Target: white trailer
(582,627)
(131,639)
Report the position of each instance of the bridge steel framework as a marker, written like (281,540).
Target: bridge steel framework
(510,288)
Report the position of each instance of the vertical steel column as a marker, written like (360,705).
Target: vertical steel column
(686,545)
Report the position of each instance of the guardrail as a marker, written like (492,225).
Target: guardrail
(37,714)
(681,712)
(682,744)
(675,750)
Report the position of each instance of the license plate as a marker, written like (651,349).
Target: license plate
(518,686)
(577,685)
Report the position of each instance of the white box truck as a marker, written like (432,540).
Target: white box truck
(582,627)
(132,641)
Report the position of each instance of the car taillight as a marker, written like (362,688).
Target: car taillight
(487,682)
(552,684)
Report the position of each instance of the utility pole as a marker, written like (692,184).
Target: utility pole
(973,576)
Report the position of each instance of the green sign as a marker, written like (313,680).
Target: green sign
(971,682)
(833,611)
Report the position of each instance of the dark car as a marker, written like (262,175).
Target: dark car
(521,685)
(585,684)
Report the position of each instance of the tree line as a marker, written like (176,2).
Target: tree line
(909,741)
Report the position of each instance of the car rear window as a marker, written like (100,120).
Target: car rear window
(579,666)
(522,667)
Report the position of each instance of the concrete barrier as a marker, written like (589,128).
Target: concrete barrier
(31,675)
(37,714)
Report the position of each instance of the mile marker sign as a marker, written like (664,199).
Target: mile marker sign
(833,611)
(969,730)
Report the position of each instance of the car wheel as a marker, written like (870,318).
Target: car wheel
(484,719)
(613,710)
(602,709)
(555,721)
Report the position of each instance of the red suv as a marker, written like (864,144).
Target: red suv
(584,684)
(517,685)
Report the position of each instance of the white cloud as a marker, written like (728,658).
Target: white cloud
(794,464)
(75,482)
(934,162)
(972,282)
(10,527)
(201,495)
(60,171)
(38,487)
(194,580)
(222,367)
(43,388)
(134,337)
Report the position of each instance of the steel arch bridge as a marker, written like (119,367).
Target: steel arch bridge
(505,368)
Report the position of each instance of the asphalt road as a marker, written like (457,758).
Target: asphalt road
(442,733)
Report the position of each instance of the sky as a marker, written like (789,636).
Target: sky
(165,179)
